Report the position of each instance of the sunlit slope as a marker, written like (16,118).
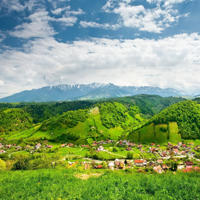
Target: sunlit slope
(103,121)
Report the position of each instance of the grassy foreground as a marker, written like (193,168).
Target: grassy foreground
(64,184)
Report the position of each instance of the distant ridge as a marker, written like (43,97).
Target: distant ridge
(65,92)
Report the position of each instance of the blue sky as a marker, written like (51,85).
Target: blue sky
(125,42)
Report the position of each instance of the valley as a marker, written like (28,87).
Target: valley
(142,134)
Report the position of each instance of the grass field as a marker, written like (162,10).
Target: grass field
(69,184)
(147,134)
(174,137)
(161,137)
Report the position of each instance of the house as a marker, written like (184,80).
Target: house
(86,166)
(169,144)
(189,168)
(49,146)
(180,143)
(151,164)
(182,153)
(62,145)
(8,146)
(139,146)
(70,145)
(128,149)
(37,146)
(152,150)
(158,169)
(163,154)
(18,147)
(159,161)
(138,163)
(179,167)
(98,167)
(100,148)
(152,144)
(111,165)
(144,163)
(188,163)
(119,164)
(174,147)
(176,151)
(164,167)
(2,151)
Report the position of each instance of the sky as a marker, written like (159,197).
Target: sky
(124,42)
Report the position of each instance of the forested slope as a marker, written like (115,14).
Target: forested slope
(178,121)
(14,119)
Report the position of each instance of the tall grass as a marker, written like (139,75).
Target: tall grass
(55,184)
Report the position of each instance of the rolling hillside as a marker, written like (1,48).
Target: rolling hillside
(177,122)
(103,121)
(14,120)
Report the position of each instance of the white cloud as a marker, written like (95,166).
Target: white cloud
(16,5)
(58,11)
(12,5)
(74,12)
(175,60)
(145,19)
(39,25)
(167,2)
(2,36)
(85,24)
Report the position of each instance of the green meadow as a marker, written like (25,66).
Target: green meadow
(69,184)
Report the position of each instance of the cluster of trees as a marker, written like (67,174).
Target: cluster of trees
(149,105)
(66,137)
(30,162)
(68,120)
(43,111)
(14,119)
(112,114)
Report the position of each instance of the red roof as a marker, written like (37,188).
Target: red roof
(189,163)
(99,166)
(138,161)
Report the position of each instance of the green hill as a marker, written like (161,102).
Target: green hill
(14,119)
(99,120)
(177,122)
(149,104)
(103,121)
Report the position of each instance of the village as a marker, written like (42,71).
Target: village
(116,155)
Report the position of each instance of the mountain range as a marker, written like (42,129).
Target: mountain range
(86,91)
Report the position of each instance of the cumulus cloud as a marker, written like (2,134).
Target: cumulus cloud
(46,61)
(145,19)
(38,24)
(58,11)
(17,5)
(37,27)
